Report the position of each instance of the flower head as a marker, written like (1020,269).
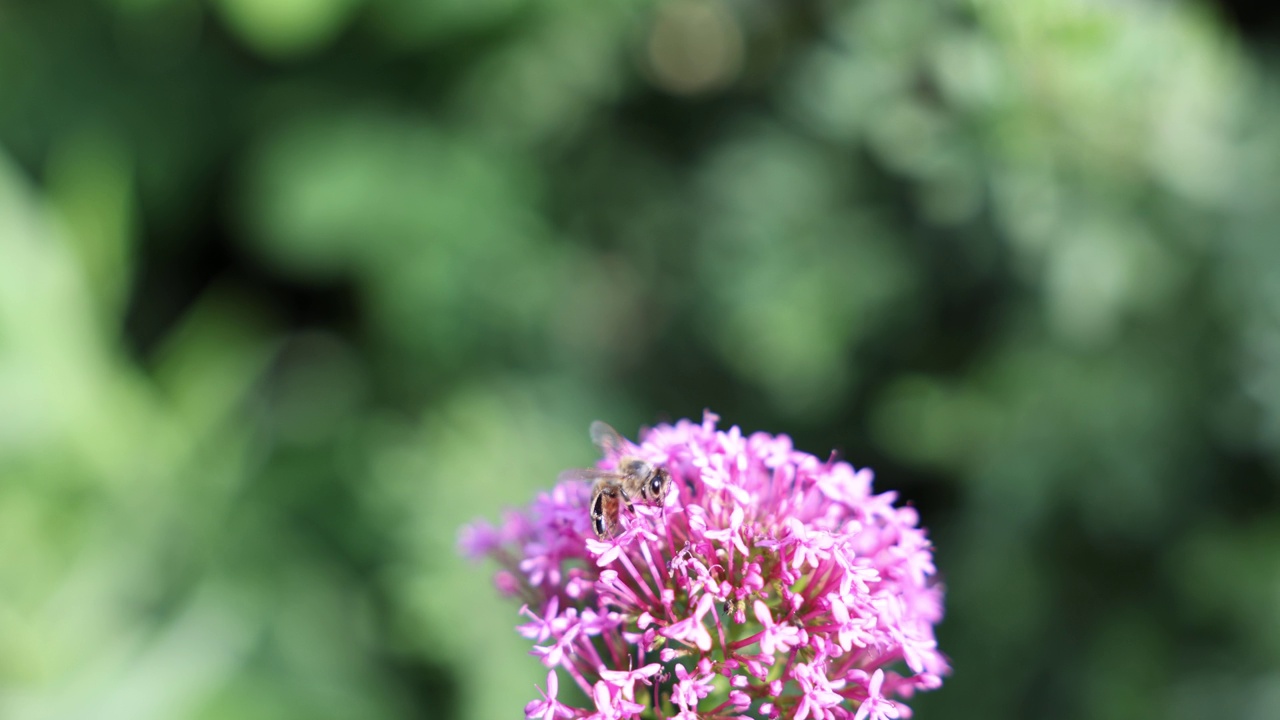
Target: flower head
(764,566)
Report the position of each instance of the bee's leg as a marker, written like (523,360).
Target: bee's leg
(626,499)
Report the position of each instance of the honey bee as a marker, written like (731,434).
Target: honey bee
(633,479)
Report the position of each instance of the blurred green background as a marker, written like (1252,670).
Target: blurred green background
(289,290)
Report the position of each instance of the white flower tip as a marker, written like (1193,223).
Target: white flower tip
(553,684)
(762,613)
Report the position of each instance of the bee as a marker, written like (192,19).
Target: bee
(633,479)
(735,607)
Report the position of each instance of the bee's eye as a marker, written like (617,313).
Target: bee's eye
(655,485)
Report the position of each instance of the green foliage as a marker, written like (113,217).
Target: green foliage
(290,290)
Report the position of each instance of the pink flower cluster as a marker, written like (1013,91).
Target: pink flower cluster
(771,584)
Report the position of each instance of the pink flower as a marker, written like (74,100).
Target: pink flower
(479,539)
(851,631)
(692,687)
(611,705)
(733,533)
(625,680)
(783,573)
(875,707)
(776,637)
(692,630)
(554,654)
(548,707)
(542,626)
(817,695)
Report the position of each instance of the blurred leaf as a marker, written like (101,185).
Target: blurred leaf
(286,28)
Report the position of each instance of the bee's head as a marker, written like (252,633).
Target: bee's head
(658,483)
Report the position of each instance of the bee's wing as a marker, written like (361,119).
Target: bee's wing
(588,474)
(606,438)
